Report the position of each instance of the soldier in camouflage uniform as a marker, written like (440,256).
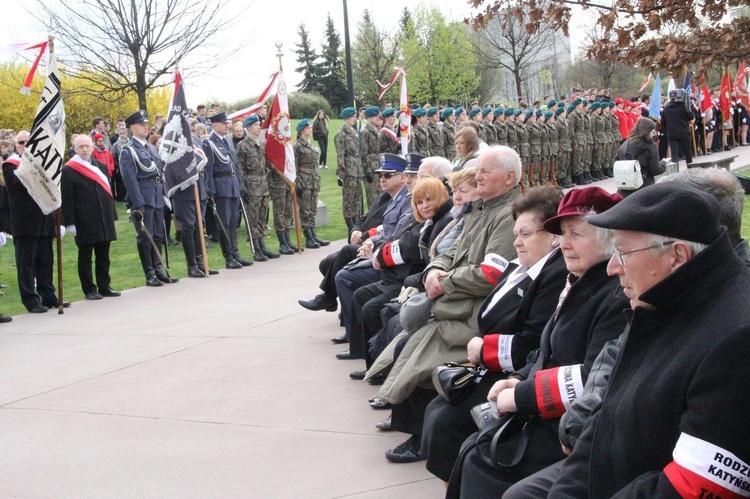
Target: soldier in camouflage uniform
(588,149)
(251,161)
(420,139)
(283,209)
(510,128)
(434,133)
(524,149)
(607,148)
(549,122)
(449,133)
(577,142)
(387,139)
(599,142)
(461,116)
(500,133)
(616,137)
(475,114)
(307,183)
(535,147)
(368,152)
(562,169)
(349,168)
(541,123)
(489,128)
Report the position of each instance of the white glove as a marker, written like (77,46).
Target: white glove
(406,292)
(3,238)
(62,232)
(71,229)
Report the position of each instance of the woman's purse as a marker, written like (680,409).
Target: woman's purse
(454,381)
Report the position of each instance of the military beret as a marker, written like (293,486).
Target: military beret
(551,103)
(413,160)
(559,111)
(486,111)
(253,118)
(218,118)
(474,111)
(510,111)
(611,105)
(668,209)
(372,111)
(594,106)
(529,114)
(388,112)
(548,115)
(446,112)
(347,113)
(432,111)
(498,111)
(391,163)
(459,110)
(576,102)
(303,124)
(518,112)
(136,117)
(579,202)
(570,109)
(420,111)
(538,113)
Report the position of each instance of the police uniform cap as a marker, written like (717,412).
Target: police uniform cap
(474,111)
(548,115)
(432,111)
(388,112)
(413,161)
(252,119)
(218,118)
(446,112)
(420,111)
(303,124)
(510,111)
(372,111)
(551,103)
(347,113)
(391,163)
(136,117)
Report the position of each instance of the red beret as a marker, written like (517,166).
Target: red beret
(578,202)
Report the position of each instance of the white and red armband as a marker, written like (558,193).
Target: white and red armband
(557,388)
(702,469)
(391,253)
(496,352)
(374,231)
(493,267)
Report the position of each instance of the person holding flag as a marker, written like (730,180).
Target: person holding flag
(89,214)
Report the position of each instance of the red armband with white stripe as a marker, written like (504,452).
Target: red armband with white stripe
(496,352)
(556,389)
(493,267)
(702,469)
(391,253)
(374,231)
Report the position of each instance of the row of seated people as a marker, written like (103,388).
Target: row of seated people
(534,289)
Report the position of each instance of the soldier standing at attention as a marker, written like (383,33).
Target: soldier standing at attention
(476,116)
(599,141)
(541,124)
(142,169)
(388,141)
(251,161)
(588,150)
(563,151)
(500,134)
(224,186)
(434,132)
(577,142)
(535,148)
(307,183)
(368,152)
(489,128)
(348,167)
(449,133)
(420,140)
(461,115)
(510,128)
(522,141)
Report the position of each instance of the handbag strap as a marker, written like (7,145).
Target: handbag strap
(520,448)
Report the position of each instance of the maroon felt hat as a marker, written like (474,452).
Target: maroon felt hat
(578,202)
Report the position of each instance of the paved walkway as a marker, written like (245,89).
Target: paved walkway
(220,387)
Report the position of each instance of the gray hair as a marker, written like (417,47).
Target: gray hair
(439,166)
(504,158)
(604,237)
(660,241)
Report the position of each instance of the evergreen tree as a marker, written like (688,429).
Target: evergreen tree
(307,60)
(331,70)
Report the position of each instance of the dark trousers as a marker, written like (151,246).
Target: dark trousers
(34,260)
(101,251)
(408,416)
(153,219)
(331,265)
(369,301)
(347,282)
(323,144)
(681,145)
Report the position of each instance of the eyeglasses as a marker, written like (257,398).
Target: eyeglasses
(21,142)
(619,254)
(385,175)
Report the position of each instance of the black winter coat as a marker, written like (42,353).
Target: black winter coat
(26,218)
(88,206)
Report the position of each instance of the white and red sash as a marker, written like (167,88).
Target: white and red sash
(391,134)
(14,160)
(89,171)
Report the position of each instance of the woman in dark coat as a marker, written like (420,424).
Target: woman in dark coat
(640,146)
(320,134)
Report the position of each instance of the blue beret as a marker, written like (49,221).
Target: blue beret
(432,111)
(570,109)
(474,112)
(576,102)
(413,160)
(347,112)
(510,111)
(559,111)
(486,111)
(372,111)
(420,111)
(548,115)
(446,112)
(518,112)
(253,118)
(529,114)
(594,106)
(391,163)
(538,113)
(459,110)
(303,124)
(498,111)
(611,105)
(551,103)
(388,112)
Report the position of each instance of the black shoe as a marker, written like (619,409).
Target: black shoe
(233,264)
(338,340)
(345,355)
(5,318)
(358,375)
(213,272)
(378,379)
(243,262)
(93,296)
(320,302)
(109,293)
(407,452)
(385,425)
(65,304)
(153,282)
(162,275)
(194,271)
(38,309)
(380,404)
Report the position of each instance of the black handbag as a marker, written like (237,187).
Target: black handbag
(454,381)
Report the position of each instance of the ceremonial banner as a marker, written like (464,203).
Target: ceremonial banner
(705,100)
(725,97)
(176,150)
(654,109)
(276,133)
(645,83)
(404,112)
(740,87)
(42,160)
(671,85)
(40,42)
(688,86)
(243,113)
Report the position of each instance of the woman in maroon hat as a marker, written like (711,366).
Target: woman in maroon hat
(589,313)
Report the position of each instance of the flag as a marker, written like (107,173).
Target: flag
(243,113)
(671,85)
(654,109)
(404,117)
(645,83)
(688,86)
(276,133)
(725,97)
(705,99)
(42,160)
(176,150)
(37,42)
(740,87)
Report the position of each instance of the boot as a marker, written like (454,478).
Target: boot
(318,240)
(144,253)
(609,173)
(310,241)
(284,248)
(226,250)
(258,255)
(236,249)
(289,241)
(188,246)
(160,271)
(199,255)
(531,176)
(267,252)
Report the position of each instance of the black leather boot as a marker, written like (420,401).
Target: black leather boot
(258,255)
(284,248)
(226,251)
(160,271)
(318,240)
(236,249)
(144,253)
(188,246)
(199,255)
(310,241)
(270,254)
(289,241)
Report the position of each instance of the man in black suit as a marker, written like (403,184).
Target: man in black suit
(89,214)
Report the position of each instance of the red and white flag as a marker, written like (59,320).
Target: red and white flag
(270,89)
(725,97)
(705,99)
(35,42)
(276,133)
(740,87)
(404,112)
(645,83)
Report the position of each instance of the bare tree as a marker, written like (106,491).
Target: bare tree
(124,46)
(374,52)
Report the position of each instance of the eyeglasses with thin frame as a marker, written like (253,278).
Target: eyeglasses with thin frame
(619,254)
(385,175)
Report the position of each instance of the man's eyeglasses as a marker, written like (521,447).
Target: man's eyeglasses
(385,175)
(619,254)
(21,142)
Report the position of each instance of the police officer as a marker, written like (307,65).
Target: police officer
(251,161)
(348,167)
(388,141)
(449,133)
(307,183)
(142,170)
(420,139)
(368,152)
(433,131)
(224,186)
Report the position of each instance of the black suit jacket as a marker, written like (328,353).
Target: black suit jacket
(88,206)
(26,218)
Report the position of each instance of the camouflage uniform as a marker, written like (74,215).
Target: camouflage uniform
(388,142)
(524,149)
(420,141)
(511,132)
(436,138)
(490,133)
(308,181)
(608,141)
(544,158)
(577,142)
(252,163)
(349,170)
(449,140)
(554,147)
(368,153)
(482,133)
(588,149)
(599,144)
(501,133)
(281,197)
(616,138)
(535,146)
(563,153)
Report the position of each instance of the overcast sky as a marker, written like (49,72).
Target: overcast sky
(263,24)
